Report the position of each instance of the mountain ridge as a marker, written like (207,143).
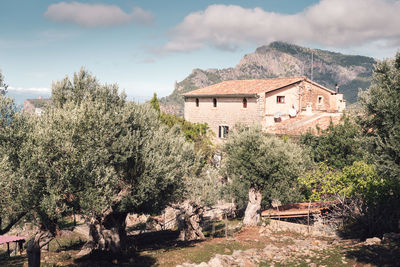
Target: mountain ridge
(280,59)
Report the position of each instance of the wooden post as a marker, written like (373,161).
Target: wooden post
(8,249)
(279,216)
(308,217)
(164,222)
(226,226)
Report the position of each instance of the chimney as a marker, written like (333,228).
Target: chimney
(337,88)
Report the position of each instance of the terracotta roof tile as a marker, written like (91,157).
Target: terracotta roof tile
(245,87)
(285,127)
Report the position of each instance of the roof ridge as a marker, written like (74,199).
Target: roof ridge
(246,87)
(276,78)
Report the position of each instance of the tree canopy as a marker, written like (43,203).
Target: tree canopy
(108,156)
(337,146)
(381,120)
(257,160)
(91,153)
(17,188)
(197,133)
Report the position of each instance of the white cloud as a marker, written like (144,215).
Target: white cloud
(96,15)
(337,23)
(29,90)
(142,16)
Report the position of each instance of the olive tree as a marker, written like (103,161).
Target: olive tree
(381,117)
(16,188)
(381,124)
(104,157)
(202,189)
(338,146)
(22,190)
(265,165)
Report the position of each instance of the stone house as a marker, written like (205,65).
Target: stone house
(36,106)
(266,102)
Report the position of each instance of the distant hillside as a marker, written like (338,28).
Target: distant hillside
(279,59)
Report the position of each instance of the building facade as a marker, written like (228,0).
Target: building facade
(264,102)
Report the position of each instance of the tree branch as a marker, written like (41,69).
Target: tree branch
(13,222)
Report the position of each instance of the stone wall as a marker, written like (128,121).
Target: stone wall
(261,108)
(321,99)
(228,112)
(291,95)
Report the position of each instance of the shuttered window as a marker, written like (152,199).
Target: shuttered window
(214,102)
(223,131)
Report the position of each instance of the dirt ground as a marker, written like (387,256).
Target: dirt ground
(162,249)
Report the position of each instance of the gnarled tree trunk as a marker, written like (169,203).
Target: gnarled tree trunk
(189,222)
(107,233)
(252,213)
(33,246)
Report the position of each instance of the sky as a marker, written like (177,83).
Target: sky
(145,46)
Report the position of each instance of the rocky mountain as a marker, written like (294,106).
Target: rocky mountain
(279,59)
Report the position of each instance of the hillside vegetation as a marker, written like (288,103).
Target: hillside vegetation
(279,59)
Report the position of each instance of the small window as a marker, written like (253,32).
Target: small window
(197,102)
(280,99)
(244,103)
(214,102)
(320,100)
(223,131)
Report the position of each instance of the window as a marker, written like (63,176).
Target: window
(214,102)
(197,102)
(280,99)
(244,103)
(320,99)
(223,131)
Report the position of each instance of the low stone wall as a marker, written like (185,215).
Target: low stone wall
(318,229)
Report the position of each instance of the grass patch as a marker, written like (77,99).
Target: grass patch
(203,252)
(73,242)
(13,261)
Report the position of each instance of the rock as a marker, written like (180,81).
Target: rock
(169,217)
(227,250)
(134,219)
(219,261)
(218,211)
(315,242)
(236,253)
(372,241)
(83,230)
